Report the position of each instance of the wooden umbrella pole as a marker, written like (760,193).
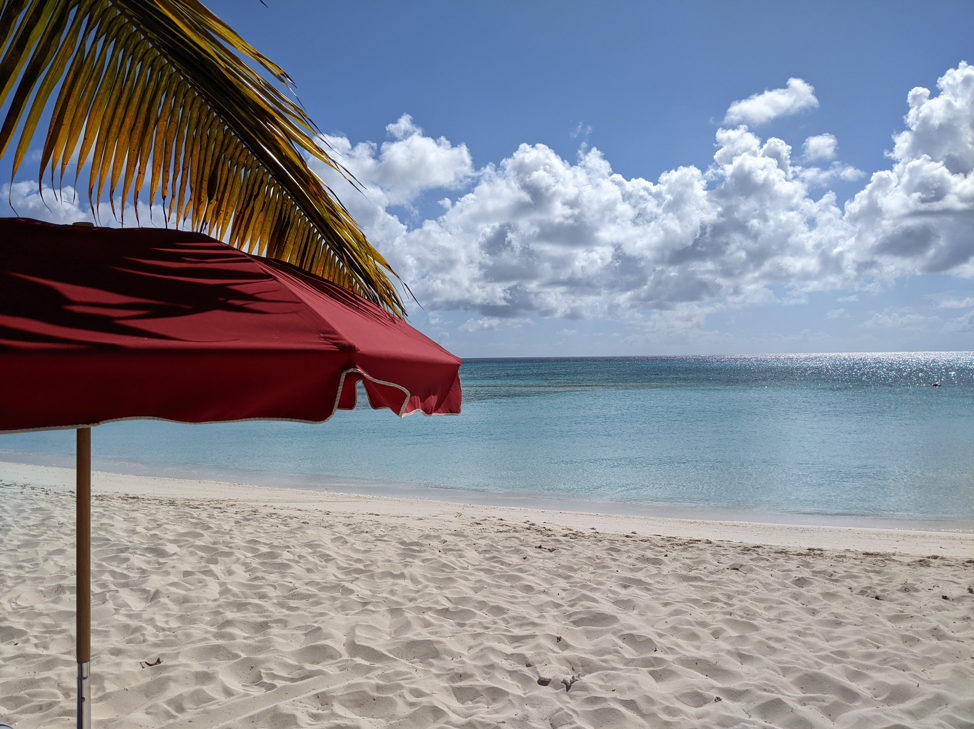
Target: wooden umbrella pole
(84,577)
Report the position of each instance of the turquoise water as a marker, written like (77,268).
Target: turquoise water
(852,435)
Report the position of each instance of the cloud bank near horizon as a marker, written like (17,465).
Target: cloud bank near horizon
(538,235)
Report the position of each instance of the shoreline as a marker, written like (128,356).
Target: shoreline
(315,483)
(915,542)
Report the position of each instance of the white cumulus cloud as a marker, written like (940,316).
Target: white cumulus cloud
(821,146)
(538,234)
(919,216)
(64,206)
(942,128)
(761,108)
(480,325)
(28,201)
(541,235)
(401,169)
(818,177)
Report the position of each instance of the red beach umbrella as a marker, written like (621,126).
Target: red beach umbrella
(100,324)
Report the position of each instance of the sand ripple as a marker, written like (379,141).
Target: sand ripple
(283,617)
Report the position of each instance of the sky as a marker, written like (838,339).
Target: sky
(635,178)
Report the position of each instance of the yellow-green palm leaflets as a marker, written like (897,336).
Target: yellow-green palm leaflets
(155,96)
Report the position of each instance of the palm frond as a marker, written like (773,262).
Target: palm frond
(157,96)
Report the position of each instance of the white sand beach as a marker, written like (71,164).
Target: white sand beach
(220,605)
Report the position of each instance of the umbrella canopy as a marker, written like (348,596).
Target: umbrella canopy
(104,324)
(99,325)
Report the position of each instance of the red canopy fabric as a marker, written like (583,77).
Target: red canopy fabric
(100,324)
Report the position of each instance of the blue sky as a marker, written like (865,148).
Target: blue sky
(567,178)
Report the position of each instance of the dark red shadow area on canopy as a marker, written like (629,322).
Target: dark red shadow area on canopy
(101,324)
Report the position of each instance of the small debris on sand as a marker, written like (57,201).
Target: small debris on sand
(569,681)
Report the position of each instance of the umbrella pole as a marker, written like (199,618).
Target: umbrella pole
(83,571)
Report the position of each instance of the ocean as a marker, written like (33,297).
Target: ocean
(834,438)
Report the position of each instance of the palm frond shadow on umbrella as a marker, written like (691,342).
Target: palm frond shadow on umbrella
(115,301)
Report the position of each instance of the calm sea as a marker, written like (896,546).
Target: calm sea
(864,436)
